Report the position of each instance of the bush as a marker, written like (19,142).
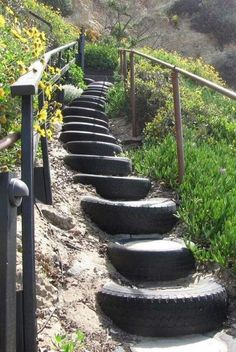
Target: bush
(184,7)
(76,76)
(117,102)
(62,31)
(101,56)
(225,63)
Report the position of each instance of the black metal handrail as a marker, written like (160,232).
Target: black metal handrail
(26,87)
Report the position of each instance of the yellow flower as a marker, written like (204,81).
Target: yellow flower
(49,134)
(2,93)
(2,21)
(42,115)
(9,10)
(18,35)
(3,120)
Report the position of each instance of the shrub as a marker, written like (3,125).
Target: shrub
(117,101)
(101,56)
(76,76)
(225,63)
(184,7)
(62,31)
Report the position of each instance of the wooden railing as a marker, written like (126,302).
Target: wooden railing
(175,71)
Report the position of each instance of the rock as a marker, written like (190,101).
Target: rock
(59,218)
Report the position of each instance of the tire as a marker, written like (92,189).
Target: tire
(117,188)
(85,112)
(93,164)
(103,83)
(137,217)
(88,80)
(100,100)
(98,87)
(96,93)
(71,136)
(147,259)
(165,312)
(80,126)
(84,119)
(93,148)
(87,104)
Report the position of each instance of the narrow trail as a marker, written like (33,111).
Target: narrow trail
(160,294)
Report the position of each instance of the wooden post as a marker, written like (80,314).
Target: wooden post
(178,125)
(121,63)
(132,94)
(125,68)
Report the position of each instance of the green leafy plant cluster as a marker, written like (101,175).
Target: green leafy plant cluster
(101,56)
(76,76)
(207,195)
(74,344)
(62,31)
(117,101)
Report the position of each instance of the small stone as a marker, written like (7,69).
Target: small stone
(59,218)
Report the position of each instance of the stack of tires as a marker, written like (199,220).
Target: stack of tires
(158,301)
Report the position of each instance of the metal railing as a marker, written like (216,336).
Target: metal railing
(175,71)
(18,328)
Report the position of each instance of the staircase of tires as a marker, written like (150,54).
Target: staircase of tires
(155,303)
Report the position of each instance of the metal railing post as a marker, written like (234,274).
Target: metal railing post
(132,94)
(178,125)
(28,240)
(11,191)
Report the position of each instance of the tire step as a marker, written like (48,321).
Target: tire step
(195,309)
(81,126)
(116,188)
(87,104)
(97,92)
(93,148)
(101,83)
(85,112)
(99,165)
(147,259)
(100,100)
(136,217)
(70,136)
(84,119)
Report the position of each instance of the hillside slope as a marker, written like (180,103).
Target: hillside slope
(152,16)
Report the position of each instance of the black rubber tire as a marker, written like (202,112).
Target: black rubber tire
(117,188)
(165,312)
(135,217)
(96,93)
(100,115)
(88,81)
(88,104)
(104,83)
(99,165)
(93,148)
(72,136)
(100,100)
(99,87)
(85,119)
(80,126)
(148,263)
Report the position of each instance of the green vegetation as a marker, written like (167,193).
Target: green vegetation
(23,40)
(76,76)
(207,196)
(74,344)
(101,56)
